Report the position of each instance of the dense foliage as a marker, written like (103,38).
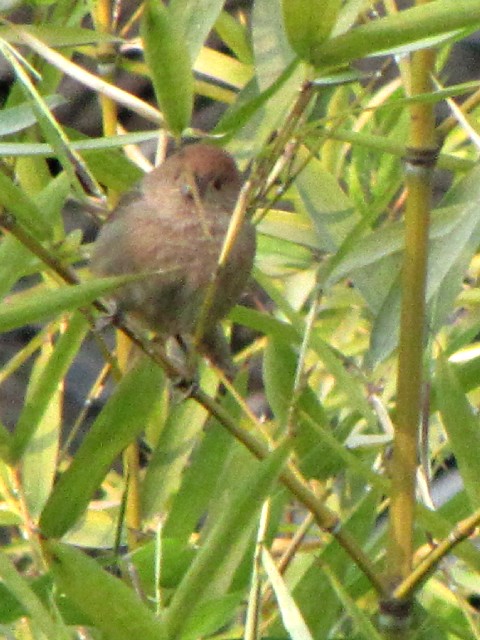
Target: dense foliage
(308,516)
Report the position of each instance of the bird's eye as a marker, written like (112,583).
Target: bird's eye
(217,184)
(186,191)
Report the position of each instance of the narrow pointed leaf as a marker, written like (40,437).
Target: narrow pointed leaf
(226,543)
(27,310)
(291,615)
(462,426)
(36,406)
(121,420)
(196,19)
(167,56)
(113,608)
(405,30)
(308,23)
(29,601)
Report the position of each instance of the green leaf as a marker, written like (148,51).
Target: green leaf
(15,262)
(24,208)
(175,558)
(441,617)
(26,309)
(224,548)
(249,103)
(451,249)
(170,66)
(406,30)
(305,575)
(90,147)
(195,19)
(347,383)
(38,426)
(66,36)
(112,607)
(366,628)
(12,609)
(18,118)
(235,36)
(286,225)
(51,200)
(212,615)
(98,527)
(326,203)
(223,68)
(315,458)
(386,329)
(308,23)
(388,240)
(274,61)
(27,598)
(273,53)
(462,426)
(183,425)
(121,420)
(202,482)
(263,323)
(291,616)
(49,126)
(113,169)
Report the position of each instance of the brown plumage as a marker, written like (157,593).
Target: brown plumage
(174,223)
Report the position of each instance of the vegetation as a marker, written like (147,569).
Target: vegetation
(315,520)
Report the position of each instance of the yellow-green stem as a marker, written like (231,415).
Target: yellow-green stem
(420,160)
(404,460)
(462,530)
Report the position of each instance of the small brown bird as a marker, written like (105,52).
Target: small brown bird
(174,224)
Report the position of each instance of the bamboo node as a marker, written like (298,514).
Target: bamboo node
(395,613)
(425,158)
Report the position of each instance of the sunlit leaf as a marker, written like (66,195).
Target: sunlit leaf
(308,23)
(121,420)
(462,426)
(169,63)
(107,601)
(401,32)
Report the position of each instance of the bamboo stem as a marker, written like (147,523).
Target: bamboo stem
(427,566)
(421,157)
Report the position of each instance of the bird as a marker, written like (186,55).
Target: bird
(171,226)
